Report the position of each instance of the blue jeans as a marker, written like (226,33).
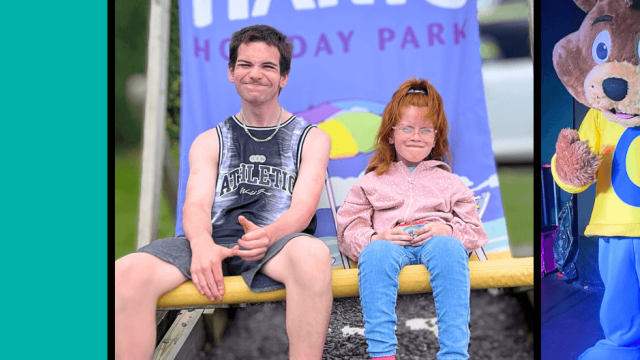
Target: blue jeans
(447,261)
(619,263)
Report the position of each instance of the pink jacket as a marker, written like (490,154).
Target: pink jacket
(431,193)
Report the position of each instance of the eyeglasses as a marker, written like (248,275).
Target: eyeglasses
(426,133)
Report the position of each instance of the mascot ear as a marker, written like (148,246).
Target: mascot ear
(587,5)
(567,56)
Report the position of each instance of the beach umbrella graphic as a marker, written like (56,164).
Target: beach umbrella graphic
(351,124)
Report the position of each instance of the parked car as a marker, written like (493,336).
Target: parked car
(507,72)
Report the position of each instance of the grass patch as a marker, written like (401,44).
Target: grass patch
(127,196)
(516,188)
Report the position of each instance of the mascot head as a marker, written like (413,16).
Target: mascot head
(600,63)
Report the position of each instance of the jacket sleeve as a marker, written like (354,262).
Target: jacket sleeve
(355,227)
(466,224)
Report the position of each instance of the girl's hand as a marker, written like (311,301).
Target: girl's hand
(430,230)
(394,235)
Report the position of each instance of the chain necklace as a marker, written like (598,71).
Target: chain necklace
(260,140)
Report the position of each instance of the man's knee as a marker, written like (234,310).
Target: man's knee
(130,277)
(143,275)
(311,251)
(310,258)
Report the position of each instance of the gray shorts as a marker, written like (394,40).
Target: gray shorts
(177,251)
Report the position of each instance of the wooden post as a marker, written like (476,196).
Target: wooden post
(136,92)
(154,120)
(170,179)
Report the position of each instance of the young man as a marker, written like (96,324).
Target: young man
(254,184)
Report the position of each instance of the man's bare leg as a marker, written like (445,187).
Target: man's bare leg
(140,279)
(304,266)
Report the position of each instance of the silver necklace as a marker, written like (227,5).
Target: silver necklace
(256,139)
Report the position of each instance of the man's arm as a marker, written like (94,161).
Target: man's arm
(206,259)
(304,200)
(308,188)
(203,170)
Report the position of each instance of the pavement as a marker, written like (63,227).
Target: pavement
(501,328)
(569,317)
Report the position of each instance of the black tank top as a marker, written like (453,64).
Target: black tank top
(255,179)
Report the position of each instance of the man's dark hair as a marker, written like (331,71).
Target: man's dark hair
(266,34)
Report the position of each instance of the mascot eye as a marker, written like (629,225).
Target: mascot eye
(601,47)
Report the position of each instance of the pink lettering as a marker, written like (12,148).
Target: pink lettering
(345,40)
(223,49)
(303,45)
(458,33)
(435,32)
(198,49)
(409,38)
(384,35)
(323,45)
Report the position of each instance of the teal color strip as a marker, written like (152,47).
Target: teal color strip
(55,180)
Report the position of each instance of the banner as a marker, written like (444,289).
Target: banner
(349,56)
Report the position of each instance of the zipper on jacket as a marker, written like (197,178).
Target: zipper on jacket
(411,186)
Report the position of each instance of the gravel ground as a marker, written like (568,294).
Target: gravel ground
(500,329)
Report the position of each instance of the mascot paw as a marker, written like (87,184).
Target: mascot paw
(576,165)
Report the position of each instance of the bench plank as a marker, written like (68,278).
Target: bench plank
(413,279)
(184,339)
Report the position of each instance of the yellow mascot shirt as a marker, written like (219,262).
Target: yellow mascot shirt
(616,210)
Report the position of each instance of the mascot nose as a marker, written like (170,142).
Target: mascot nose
(615,88)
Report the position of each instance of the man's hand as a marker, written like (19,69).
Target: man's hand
(206,267)
(429,230)
(395,235)
(255,241)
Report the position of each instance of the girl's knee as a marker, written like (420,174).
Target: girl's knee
(448,244)
(382,257)
(444,253)
(376,250)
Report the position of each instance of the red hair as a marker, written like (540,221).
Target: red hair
(432,109)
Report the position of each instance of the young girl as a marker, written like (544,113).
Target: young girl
(406,181)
